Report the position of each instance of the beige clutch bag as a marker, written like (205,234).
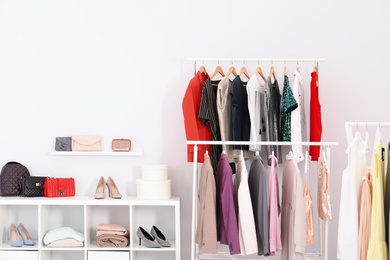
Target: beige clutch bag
(86,143)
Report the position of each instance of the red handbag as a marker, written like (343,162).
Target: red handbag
(59,187)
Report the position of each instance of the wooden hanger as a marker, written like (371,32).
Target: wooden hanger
(315,68)
(272,72)
(202,69)
(245,72)
(285,70)
(217,70)
(260,72)
(231,70)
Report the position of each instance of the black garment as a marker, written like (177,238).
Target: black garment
(241,123)
(274,119)
(208,114)
(258,187)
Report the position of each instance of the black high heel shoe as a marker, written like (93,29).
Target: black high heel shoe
(147,239)
(159,236)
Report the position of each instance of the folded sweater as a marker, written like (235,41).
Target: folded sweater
(112,241)
(111,229)
(67,242)
(62,233)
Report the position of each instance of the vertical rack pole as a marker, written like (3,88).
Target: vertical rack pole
(194,190)
(327,222)
(194,211)
(194,67)
(321,231)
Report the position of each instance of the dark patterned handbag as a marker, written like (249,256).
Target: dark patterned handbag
(32,186)
(63,144)
(11,176)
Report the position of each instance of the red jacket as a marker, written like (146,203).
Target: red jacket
(194,129)
(315,117)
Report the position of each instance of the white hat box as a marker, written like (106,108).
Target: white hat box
(154,190)
(154,172)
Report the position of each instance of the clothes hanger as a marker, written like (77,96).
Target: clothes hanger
(232,70)
(298,69)
(244,71)
(324,157)
(272,72)
(260,72)
(367,140)
(218,70)
(306,168)
(202,69)
(285,70)
(223,148)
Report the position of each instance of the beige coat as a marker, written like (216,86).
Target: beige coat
(206,230)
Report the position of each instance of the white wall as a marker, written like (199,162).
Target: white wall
(118,69)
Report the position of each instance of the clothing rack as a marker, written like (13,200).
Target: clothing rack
(321,254)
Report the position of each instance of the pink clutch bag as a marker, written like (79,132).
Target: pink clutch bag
(121,145)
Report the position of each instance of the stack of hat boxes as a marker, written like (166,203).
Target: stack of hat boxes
(154,183)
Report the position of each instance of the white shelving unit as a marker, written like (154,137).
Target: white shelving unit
(83,213)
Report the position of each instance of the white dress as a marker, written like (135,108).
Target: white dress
(347,239)
(293,223)
(298,127)
(253,90)
(246,221)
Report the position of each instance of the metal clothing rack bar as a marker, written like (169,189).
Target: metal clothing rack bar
(380,124)
(262,143)
(349,125)
(259,59)
(321,254)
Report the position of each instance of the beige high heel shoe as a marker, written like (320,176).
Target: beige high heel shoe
(99,193)
(112,189)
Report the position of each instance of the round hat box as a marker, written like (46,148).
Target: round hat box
(154,172)
(154,190)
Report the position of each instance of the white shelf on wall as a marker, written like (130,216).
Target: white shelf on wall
(131,153)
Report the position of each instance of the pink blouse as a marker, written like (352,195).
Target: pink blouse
(275,242)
